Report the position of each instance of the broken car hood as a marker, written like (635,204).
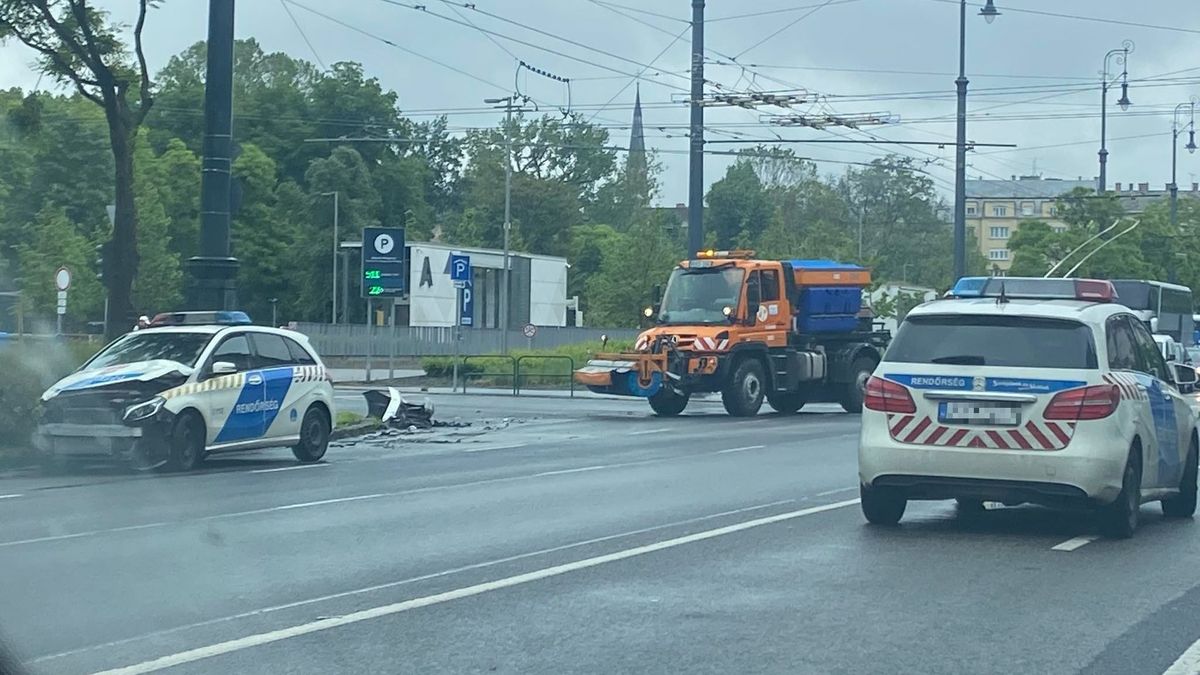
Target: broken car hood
(142,371)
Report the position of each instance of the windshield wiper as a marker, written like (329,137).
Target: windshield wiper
(960,360)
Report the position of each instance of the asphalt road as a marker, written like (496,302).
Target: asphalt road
(557,536)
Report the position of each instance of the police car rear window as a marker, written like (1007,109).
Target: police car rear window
(1009,341)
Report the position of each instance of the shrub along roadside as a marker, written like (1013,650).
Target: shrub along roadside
(26,370)
(534,372)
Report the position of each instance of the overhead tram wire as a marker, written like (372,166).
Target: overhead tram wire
(304,36)
(784,10)
(423,9)
(802,17)
(635,79)
(1077,17)
(485,34)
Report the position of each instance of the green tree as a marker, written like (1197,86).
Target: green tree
(56,242)
(78,47)
(738,207)
(633,263)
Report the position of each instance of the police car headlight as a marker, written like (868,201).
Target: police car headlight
(145,410)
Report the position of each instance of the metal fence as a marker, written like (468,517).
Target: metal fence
(359,340)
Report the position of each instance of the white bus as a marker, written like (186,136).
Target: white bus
(1166,308)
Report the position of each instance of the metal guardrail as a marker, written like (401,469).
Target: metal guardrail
(354,340)
(570,374)
(466,376)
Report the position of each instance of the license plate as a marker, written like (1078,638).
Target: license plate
(974,412)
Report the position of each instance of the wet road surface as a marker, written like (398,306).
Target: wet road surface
(572,536)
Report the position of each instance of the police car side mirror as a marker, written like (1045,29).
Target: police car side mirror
(224,368)
(1185,376)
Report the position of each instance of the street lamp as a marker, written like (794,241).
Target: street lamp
(1176,129)
(989,13)
(274,313)
(333,285)
(508,102)
(1122,56)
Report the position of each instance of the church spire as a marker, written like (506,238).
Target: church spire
(637,138)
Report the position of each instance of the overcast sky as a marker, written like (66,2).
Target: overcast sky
(835,52)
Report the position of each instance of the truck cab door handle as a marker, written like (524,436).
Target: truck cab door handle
(254,378)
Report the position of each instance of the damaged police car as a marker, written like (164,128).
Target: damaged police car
(191,384)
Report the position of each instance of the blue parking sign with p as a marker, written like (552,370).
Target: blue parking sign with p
(467,310)
(460,268)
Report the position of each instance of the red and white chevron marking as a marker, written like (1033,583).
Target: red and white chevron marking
(707,344)
(924,430)
(1128,384)
(642,344)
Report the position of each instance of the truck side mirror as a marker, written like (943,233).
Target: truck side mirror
(656,295)
(753,300)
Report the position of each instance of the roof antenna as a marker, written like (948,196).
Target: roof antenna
(1003,297)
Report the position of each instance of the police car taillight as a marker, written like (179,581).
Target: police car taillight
(887,396)
(1086,403)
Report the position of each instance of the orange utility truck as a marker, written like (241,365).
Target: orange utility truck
(790,332)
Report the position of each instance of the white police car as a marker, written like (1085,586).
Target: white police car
(193,383)
(1028,390)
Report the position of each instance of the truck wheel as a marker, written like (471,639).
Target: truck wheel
(1183,505)
(786,402)
(668,403)
(852,393)
(743,395)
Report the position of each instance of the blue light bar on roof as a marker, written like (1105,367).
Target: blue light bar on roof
(1039,288)
(217,318)
(969,287)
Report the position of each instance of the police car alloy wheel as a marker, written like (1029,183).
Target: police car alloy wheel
(187,442)
(1183,505)
(882,506)
(314,436)
(1120,519)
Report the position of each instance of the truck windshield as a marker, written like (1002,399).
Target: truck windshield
(701,295)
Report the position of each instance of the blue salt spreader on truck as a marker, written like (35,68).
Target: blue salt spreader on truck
(788,332)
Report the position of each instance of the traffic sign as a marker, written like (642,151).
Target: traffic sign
(529,330)
(466,314)
(62,279)
(460,268)
(383,262)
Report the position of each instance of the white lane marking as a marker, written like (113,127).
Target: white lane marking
(510,446)
(290,468)
(647,431)
(268,637)
(581,469)
(1074,543)
(411,580)
(10,496)
(323,502)
(1188,662)
(834,492)
(748,447)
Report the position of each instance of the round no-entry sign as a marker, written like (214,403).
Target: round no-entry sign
(529,330)
(62,279)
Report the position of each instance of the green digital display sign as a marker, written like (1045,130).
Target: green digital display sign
(383,273)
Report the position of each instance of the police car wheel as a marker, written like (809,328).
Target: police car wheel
(668,403)
(743,395)
(314,436)
(187,442)
(1119,520)
(881,506)
(1184,504)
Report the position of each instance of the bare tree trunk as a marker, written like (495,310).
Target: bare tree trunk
(121,257)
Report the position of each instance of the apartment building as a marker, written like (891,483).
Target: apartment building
(996,207)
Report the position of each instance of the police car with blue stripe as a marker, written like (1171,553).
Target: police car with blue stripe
(191,384)
(1016,390)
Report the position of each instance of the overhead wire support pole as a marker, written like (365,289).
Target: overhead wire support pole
(696,137)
